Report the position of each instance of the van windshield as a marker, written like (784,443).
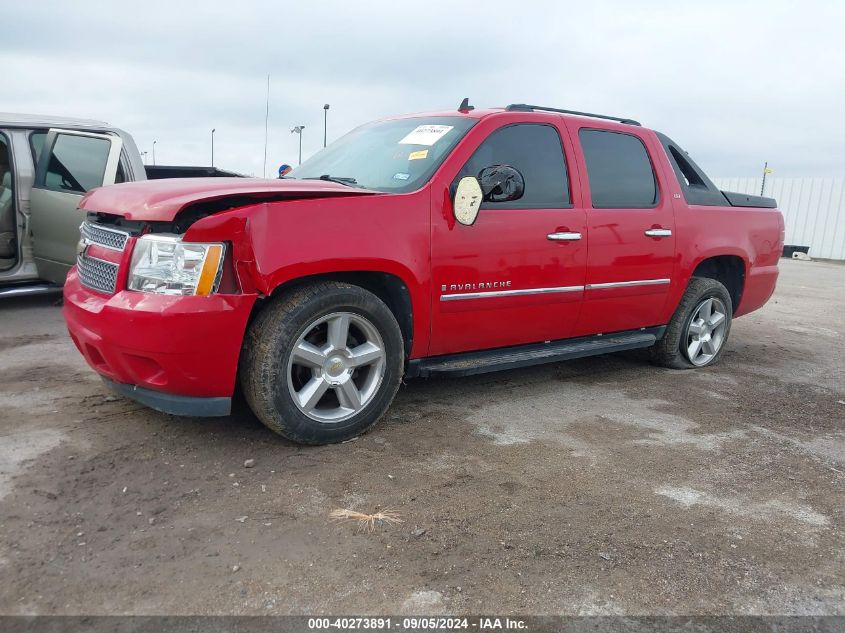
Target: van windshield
(396,156)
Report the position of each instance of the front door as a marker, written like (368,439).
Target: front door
(517,274)
(70,164)
(630,224)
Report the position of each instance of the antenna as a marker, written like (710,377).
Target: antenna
(465,106)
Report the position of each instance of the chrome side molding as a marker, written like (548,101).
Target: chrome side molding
(509,293)
(544,291)
(626,284)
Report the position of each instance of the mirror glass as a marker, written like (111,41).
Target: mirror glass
(468,198)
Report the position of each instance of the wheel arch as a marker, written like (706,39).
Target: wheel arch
(388,287)
(728,269)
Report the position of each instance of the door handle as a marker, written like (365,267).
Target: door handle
(564,237)
(659,232)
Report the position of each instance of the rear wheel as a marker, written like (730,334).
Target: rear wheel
(699,329)
(322,364)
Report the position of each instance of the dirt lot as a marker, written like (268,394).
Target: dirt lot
(599,486)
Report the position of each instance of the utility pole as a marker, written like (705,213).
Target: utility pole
(325,122)
(297,129)
(266,121)
(766,171)
(154,152)
(213,130)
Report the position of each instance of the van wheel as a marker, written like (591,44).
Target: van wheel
(322,364)
(699,329)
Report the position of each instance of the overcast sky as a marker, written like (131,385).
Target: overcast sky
(735,83)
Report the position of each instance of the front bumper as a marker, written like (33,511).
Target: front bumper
(166,352)
(196,406)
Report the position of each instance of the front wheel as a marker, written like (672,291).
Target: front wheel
(699,329)
(322,364)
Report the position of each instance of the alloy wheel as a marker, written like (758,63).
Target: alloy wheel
(336,367)
(706,331)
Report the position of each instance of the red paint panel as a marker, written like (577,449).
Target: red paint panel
(504,245)
(621,252)
(184,345)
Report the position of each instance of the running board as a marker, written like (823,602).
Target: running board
(485,361)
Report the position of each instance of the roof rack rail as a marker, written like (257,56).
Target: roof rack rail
(524,107)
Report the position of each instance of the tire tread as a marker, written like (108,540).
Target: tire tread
(667,352)
(262,373)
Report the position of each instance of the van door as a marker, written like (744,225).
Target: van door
(70,164)
(8,217)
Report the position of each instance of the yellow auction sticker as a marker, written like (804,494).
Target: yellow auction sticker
(423,153)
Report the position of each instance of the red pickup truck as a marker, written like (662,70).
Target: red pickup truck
(448,243)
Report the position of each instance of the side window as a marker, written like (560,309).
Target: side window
(36,144)
(619,170)
(77,163)
(536,151)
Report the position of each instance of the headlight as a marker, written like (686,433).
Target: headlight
(164,264)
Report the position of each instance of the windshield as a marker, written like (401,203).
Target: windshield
(396,156)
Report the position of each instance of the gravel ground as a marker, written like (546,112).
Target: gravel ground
(599,486)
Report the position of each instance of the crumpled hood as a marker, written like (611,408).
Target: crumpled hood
(161,200)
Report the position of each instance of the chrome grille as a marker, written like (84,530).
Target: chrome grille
(109,238)
(96,273)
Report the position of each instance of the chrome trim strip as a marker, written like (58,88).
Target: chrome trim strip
(97,259)
(87,234)
(564,237)
(626,284)
(510,293)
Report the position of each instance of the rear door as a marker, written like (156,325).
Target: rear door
(630,224)
(70,164)
(516,275)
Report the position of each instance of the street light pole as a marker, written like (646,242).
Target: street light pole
(297,129)
(154,152)
(144,157)
(213,130)
(325,122)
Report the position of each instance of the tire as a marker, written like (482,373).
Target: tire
(688,326)
(300,372)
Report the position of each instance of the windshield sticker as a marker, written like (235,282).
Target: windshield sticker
(401,176)
(418,155)
(426,134)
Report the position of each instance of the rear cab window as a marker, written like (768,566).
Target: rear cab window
(696,187)
(619,170)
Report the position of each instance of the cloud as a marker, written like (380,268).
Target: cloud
(735,85)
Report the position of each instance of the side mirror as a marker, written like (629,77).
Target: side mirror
(501,183)
(468,198)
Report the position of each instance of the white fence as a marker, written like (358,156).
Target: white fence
(813,209)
